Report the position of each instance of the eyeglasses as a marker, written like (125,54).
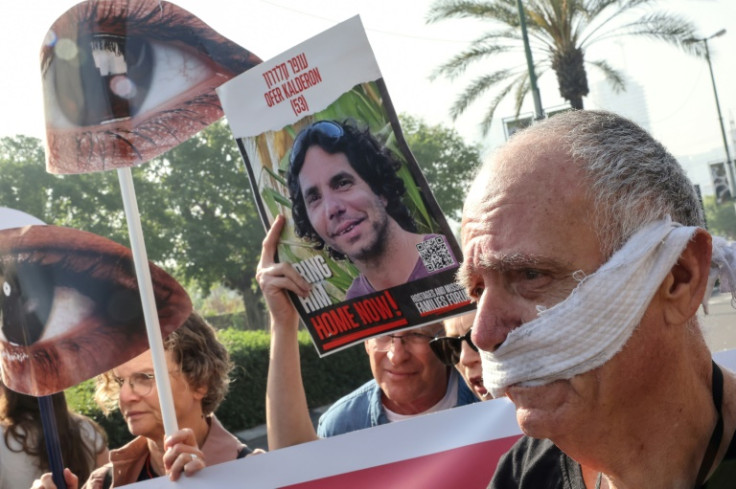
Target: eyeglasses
(328,129)
(140,383)
(408,340)
(448,348)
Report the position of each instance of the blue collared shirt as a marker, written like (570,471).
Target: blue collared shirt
(363,408)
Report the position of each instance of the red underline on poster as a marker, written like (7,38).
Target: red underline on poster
(445,309)
(362,334)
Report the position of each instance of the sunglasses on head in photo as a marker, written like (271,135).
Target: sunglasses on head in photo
(329,130)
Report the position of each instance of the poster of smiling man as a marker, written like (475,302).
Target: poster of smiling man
(322,146)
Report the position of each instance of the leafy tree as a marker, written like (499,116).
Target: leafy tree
(448,163)
(721,218)
(90,202)
(559,31)
(215,231)
(197,212)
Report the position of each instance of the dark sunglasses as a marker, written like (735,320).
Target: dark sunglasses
(327,129)
(448,348)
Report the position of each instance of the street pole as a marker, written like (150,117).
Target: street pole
(538,111)
(729,162)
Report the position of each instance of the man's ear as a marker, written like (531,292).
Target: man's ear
(684,287)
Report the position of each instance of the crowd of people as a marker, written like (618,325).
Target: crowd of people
(586,253)
(198,366)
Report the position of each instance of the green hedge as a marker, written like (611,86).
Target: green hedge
(325,380)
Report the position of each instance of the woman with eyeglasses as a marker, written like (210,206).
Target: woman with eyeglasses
(456,348)
(198,366)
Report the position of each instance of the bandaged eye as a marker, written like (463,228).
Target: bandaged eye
(126,81)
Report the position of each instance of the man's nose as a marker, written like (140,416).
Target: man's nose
(494,320)
(334,206)
(397,352)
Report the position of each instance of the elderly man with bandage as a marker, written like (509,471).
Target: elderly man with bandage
(586,253)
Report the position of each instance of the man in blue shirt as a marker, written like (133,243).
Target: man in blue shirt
(408,379)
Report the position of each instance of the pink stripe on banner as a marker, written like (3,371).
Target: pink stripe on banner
(466,467)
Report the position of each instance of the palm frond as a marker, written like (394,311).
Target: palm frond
(457,65)
(557,29)
(612,76)
(477,88)
(523,87)
(485,124)
(669,28)
(502,11)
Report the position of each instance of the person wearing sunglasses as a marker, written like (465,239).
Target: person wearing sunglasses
(457,349)
(347,197)
(198,367)
(408,379)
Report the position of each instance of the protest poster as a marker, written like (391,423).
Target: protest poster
(70,307)
(123,82)
(322,146)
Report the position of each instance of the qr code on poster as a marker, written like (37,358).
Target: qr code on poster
(435,255)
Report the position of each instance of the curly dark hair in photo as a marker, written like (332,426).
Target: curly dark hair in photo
(375,164)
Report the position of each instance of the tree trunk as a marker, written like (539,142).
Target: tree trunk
(571,76)
(256,316)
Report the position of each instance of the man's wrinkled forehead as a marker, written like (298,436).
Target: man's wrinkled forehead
(428,329)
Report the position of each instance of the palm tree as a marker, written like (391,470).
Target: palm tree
(560,31)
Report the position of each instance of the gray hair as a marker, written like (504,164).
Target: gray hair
(632,179)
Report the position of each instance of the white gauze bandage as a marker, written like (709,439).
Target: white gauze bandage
(594,322)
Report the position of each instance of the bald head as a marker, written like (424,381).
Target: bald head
(629,178)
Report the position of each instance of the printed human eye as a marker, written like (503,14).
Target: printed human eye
(70,307)
(124,82)
(37,310)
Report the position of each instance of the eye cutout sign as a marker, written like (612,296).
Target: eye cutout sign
(70,307)
(126,80)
